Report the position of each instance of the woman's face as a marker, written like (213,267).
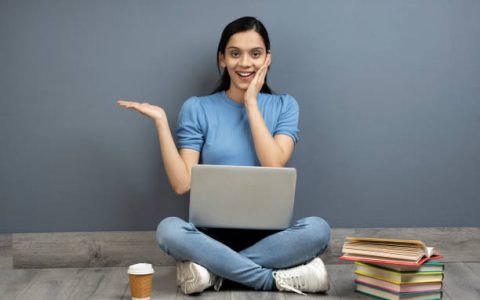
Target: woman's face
(245,53)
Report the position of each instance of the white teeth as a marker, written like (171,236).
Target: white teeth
(245,74)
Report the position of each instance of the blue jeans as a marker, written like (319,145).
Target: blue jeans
(252,266)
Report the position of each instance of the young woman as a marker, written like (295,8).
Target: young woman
(241,123)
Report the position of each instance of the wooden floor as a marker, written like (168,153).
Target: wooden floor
(462,279)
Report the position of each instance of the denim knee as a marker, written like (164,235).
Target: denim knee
(168,231)
(319,231)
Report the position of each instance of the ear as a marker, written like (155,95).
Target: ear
(221,59)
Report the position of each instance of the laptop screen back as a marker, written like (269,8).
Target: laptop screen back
(242,196)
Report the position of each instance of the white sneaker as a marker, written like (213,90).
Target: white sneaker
(311,278)
(193,278)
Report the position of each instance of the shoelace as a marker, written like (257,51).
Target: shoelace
(291,282)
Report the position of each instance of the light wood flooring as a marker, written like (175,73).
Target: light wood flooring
(462,281)
(462,272)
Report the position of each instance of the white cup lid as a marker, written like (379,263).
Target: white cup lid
(140,269)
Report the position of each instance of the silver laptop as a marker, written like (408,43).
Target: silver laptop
(242,197)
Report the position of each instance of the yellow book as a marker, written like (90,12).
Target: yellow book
(396,276)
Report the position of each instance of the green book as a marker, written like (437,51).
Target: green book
(385,295)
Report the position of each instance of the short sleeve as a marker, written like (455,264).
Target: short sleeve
(189,131)
(288,119)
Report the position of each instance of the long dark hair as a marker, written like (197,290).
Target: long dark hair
(240,25)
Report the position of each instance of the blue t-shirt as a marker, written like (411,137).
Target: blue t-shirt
(218,127)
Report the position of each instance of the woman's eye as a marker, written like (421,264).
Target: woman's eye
(234,54)
(257,54)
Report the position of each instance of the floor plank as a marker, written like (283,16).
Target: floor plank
(319,296)
(253,295)
(341,279)
(462,281)
(164,283)
(6,260)
(52,284)
(99,283)
(206,295)
(13,282)
(86,249)
(117,249)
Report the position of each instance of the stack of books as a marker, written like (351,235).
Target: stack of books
(395,269)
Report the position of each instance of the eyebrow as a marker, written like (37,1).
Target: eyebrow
(256,48)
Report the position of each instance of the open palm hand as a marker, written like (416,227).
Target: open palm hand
(155,112)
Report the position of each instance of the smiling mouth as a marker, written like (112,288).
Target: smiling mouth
(245,75)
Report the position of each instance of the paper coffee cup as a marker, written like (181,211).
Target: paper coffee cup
(140,277)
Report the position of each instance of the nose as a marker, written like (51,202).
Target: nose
(245,61)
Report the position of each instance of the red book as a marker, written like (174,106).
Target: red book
(389,261)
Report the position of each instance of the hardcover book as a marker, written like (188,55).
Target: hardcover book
(388,251)
(397,276)
(381,294)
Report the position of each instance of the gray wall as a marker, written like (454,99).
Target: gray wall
(389,93)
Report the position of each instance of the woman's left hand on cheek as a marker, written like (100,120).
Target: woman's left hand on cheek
(257,82)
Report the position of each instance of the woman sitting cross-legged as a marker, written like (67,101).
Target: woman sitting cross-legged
(241,123)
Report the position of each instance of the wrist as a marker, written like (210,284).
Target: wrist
(160,122)
(249,103)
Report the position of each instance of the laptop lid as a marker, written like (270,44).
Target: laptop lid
(242,196)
